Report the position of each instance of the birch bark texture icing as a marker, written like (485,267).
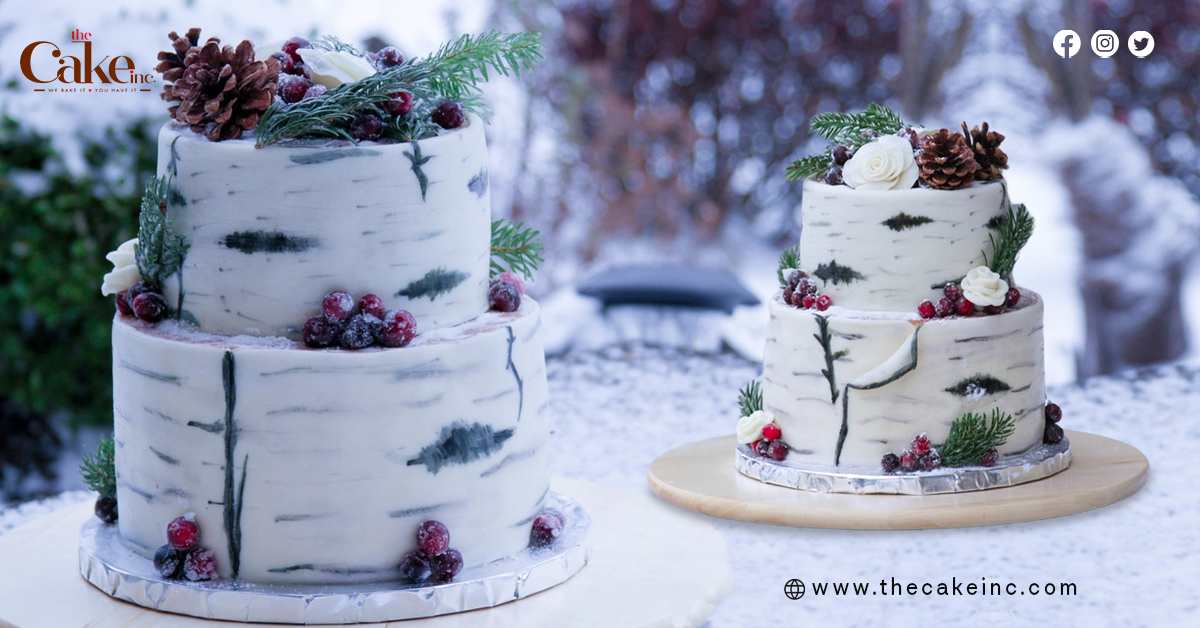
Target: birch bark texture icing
(272,230)
(887,249)
(310,466)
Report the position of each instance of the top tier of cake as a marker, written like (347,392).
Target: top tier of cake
(271,230)
(891,249)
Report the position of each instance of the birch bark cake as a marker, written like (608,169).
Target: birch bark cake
(325,369)
(899,342)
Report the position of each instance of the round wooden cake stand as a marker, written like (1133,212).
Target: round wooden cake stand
(701,476)
(649,565)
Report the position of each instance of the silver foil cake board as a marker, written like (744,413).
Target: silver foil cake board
(109,564)
(704,477)
(1035,463)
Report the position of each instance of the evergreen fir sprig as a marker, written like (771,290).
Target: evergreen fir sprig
(99,471)
(516,248)
(160,251)
(973,434)
(1015,231)
(454,72)
(750,399)
(849,129)
(810,166)
(788,259)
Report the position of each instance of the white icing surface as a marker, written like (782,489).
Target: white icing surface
(898,267)
(325,441)
(360,219)
(884,419)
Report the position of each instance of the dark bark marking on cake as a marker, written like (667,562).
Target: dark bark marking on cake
(418,161)
(1022,365)
(416,511)
(179,299)
(433,284)
(1035,330)
(251,242)
(479,183)
(325,156)
(901,372)
(328,569)
(423,403)
(166,378)
(492,397)
(216,427)
(537,509)
(1023,388)
(987,337)
(177,493)
(173,162)
(461,444)
(903,221)
(140,492)
(158,413)
(232,500)
(300,410)
(512,366)
(509,459)
(171,460)
(301,517)
(825,339)
(977,384)
(428,370)
(848,336)
(836,273)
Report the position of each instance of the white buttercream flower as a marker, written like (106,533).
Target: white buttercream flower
(982,287)
(749,428)
(125,271)
(886,163)
(334,67)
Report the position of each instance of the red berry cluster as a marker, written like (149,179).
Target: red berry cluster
(142,301)
(505,292)
(771,444)
(920,456)
(953,303)
(293,84)
(182,556)
(801,291)
(1053,432)
(342,323)
(433,560)
(546,528)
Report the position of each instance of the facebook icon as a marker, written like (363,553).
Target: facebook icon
(1066,43)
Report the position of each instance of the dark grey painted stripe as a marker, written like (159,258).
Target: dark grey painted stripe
(416,511)
(509,459)
(301,517)
(232,510)
(216,427)
(140,492)
(901,372)
(171,460)
(479,183)
(984,338)
(512,339)
(329,569)
(461,444)
(251,242)
(158,377)
(323,156)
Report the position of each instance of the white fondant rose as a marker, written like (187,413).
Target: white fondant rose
(981,286)
(125,271)
(886,163)
(334,67)
(749,428)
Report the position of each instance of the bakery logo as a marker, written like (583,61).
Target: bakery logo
(77,70)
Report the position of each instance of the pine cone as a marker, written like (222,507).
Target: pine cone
(988,154)
(170,62)
(946,161)
(218,91)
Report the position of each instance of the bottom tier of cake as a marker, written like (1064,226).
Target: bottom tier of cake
(846,387)
(317,466)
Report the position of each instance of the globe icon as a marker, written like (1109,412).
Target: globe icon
(793,589)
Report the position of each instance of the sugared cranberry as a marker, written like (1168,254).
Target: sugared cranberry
(433,537)
(1052,434)
(920,445)
(169,562)
(366,126)
(794,276)
(788,294)
(150,307)
(911,135)
(777,450)
(908,461)
(106,509)
(359,333)
(388,57)
(965,308)
(337,306)
(315,91)
(123,305)
(415,568)
(841,154)
(824,301)
(503,297)
(808,301)
(183,533)
(807,285)
(292,45)
(448,115)
(1053,412)
(890,463)
(930,461)
(952,291)
(771,431)
(446,566)
(926,309)
(139,288)
(546,527)
(992,309)
(1012,297)
(989,459)
(398,329)
(833,176)
(512,278)
(398,103)
(292,88)
(372,304)
(200,565)
(319,332)
(287,65)
(945,307)
(761,447)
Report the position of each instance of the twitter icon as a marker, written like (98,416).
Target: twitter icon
(1141,44)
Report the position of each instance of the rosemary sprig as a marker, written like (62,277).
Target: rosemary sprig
(750,398)
(99,471)
(454,72)
(973,434)
(788,259)
(160,251)
(1015,231)
(515,247)
(848,129)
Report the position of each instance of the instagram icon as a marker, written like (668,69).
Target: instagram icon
(1105,43)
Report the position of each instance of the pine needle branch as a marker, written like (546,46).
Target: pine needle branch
(806,167)
(99,471)
(160,251)
(1015,232)
(788,259)
(856,129)
(516,248)
(973,434)
(750,398)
